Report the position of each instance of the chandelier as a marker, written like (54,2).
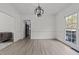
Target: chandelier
(39,11)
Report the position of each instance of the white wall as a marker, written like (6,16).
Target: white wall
(60,24)
(10,21)
(42,27)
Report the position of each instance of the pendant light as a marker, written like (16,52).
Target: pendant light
(38,11)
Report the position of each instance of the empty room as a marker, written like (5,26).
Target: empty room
(39,28)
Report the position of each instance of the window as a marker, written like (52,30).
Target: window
(71,36)
(71,22)
(71,26)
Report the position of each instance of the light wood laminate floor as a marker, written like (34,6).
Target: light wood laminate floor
(37,47)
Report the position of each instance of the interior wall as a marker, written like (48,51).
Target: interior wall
(42,27)
(60,25)
(10,21)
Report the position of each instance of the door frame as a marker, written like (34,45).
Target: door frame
(29,23)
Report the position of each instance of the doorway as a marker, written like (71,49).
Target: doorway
(28,29)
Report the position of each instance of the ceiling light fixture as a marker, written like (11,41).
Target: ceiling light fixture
(38,11)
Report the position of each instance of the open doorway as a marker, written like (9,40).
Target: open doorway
(28,29)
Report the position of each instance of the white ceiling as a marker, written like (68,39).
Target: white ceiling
(49,8)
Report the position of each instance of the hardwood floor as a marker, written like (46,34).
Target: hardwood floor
(37,47)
